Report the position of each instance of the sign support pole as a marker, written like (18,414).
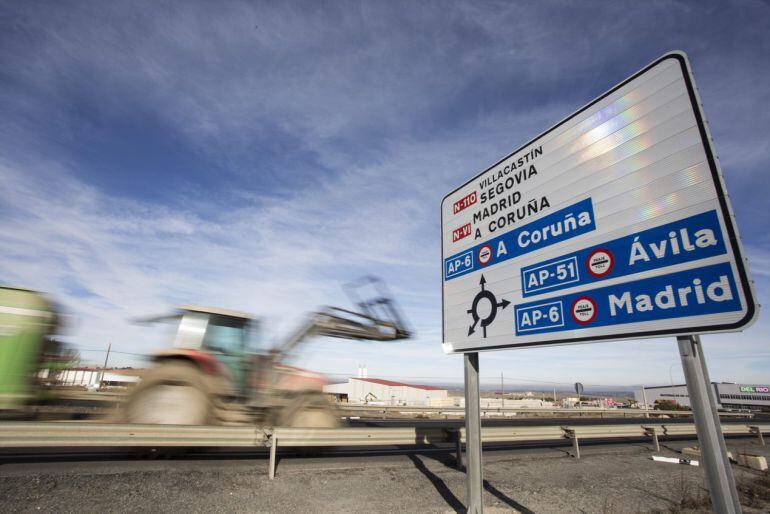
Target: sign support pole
(473,470)
(724,496)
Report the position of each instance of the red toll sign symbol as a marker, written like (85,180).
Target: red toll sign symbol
(485,255)
(584,310)
(600,262)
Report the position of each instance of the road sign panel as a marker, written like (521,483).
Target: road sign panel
(613,224)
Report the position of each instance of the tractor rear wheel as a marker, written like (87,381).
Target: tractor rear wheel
(171,393)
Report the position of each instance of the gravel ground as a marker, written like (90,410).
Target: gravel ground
(608,478)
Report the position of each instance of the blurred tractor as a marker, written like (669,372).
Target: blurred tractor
(214,374)
(27,319)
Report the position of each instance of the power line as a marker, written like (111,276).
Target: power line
(113,351)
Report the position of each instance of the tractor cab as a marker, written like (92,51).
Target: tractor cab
(216,339)
(213,329)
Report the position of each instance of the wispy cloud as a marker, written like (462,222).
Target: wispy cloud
(255,155)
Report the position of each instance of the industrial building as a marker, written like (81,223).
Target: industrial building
(91,377)
(376,391)
(509,403)
(728,395)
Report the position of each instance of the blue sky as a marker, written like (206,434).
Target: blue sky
(257,155)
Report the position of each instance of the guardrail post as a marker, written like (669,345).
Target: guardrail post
(459,448)
(273,448)
(569,433)
(653,432)
(758,431)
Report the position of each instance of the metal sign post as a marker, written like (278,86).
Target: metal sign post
(724,496)
(473,467)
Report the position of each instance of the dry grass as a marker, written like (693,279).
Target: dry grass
(755,490)
(691,497)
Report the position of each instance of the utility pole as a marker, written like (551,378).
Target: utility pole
(106,358)
(502,393)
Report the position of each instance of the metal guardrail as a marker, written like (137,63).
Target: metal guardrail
(409,409)
(79,434)
(83,434)
(517,434)
(366,436)
(318,437)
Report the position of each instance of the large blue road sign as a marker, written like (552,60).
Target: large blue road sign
(613,224)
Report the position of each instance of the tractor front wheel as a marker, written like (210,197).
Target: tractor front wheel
(171,393)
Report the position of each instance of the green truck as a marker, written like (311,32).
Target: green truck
(27,319)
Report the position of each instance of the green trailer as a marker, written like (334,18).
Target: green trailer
(27,318)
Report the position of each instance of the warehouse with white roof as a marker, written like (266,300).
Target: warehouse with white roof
(376,391)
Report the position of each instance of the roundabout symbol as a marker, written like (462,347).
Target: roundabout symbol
(494,305)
